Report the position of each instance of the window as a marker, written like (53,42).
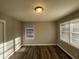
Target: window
(69,32)
(29,32)
(64,31)
(75,33)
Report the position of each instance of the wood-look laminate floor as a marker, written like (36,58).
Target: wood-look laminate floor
(40,52)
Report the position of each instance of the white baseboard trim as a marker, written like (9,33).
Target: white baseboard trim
(66,51)
(44,45)
(37,44)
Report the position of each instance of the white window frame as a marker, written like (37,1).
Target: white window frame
(70,32)
(64,32)
(4,44)
(29,38)
(71,22)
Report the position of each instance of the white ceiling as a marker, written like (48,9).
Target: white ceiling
(23,9)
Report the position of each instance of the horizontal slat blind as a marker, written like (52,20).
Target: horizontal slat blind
(64,32)
(75,33)
(69,32)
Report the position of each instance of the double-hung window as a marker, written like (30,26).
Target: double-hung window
(75,33)
(64,31)
(69,32)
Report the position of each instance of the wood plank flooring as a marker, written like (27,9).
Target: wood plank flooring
(40,52)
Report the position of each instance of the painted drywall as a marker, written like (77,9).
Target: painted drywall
(45,33)
(74,52)
(24,9)
(13,34)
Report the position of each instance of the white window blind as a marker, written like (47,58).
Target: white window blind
(69,32)
(64,32)
(75,33)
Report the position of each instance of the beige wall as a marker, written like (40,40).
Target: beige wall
(70,49)
(45,33)
(13,33)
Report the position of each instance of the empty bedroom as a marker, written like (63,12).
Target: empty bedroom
(39,29)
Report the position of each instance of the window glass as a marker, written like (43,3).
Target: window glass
(69,32)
